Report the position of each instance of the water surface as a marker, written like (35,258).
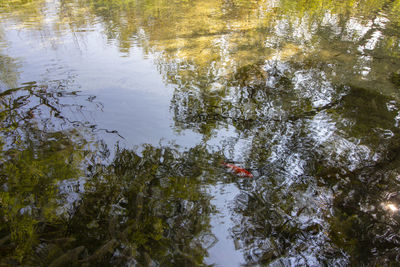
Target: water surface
(116,116)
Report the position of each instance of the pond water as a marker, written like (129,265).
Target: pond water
(116,117)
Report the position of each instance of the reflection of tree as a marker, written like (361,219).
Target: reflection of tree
(29,13)
(34,157)
(150,206)
(284,107)
(324,200)
(29,172)
(284,224)
(142,208)
(286,217)
(363,225)
(139,209)
(216,38)
(254,96)
(204,38)
(360,223)
(312,84)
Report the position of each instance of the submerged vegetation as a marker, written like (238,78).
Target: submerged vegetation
(304,94)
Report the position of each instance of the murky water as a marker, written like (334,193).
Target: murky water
(116,117)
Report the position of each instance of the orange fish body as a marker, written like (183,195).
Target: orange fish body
(239,171)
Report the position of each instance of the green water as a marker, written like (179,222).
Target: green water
(116,115)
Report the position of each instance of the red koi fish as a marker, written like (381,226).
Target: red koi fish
(239,171)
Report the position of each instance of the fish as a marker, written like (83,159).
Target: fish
(239,171)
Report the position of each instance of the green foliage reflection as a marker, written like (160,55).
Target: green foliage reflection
(311,85)
(33,160)
(61,204)
(151,206)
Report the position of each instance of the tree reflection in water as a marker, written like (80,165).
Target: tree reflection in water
(34,157)
(150,206)
(322,181)
(311,86)
(141,208)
